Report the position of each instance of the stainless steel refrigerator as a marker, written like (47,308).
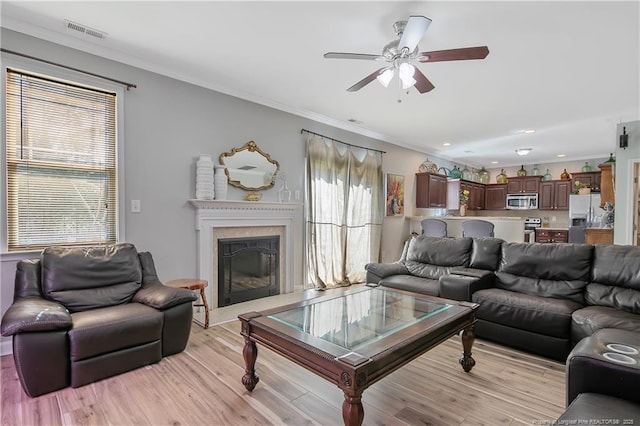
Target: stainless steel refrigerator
(584,212)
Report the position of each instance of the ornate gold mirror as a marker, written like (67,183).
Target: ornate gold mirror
(249,168)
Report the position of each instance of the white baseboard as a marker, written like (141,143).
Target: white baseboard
(6,348)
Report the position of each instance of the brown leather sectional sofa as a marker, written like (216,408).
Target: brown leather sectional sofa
(84,314)
(564,301)
(542,298)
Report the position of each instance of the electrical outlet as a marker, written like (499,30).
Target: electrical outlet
(297,194)
(553,218)
(136,206)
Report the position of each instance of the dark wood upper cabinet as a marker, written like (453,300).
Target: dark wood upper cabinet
(431,190)
(590,178)
(525,184)
(495,197)
(554,195)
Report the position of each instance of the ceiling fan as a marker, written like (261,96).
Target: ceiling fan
(401,52)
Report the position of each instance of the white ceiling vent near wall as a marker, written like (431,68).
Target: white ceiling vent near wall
(84,29)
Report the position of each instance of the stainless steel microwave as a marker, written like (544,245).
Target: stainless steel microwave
(522,201)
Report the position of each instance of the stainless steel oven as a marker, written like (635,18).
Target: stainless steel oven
(522,201)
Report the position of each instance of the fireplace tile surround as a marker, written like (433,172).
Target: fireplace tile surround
(224,219)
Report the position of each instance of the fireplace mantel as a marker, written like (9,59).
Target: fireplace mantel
(212,214)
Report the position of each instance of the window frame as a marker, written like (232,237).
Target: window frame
(34,67)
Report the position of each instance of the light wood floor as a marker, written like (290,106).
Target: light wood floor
(201,386)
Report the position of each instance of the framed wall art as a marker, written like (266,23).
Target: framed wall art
(395,195)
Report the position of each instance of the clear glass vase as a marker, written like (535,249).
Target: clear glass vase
(284,194)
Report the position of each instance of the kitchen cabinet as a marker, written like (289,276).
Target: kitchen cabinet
(431,190)
(554,195)
(598,235)
(495,197)
(551,235)
(590,178)
(606,184)
(476,194)
(525,184)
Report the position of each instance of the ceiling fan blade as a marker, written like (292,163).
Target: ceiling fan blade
(462,54)
(368,79)
(423,85)
(340,55)
(413,32)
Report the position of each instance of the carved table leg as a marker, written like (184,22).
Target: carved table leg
(352,410)
(468,336)
(250,354)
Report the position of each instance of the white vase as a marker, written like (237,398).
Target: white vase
(220,183)
(204,178)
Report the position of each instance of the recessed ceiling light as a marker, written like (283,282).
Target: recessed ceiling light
(523,151)
(561,155)
(529,131)
(494,162)
(446,144)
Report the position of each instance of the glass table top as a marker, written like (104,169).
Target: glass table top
(357,319)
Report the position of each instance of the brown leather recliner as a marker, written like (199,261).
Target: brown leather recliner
(82,314)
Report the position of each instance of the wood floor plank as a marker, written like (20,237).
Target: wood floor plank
(202,385)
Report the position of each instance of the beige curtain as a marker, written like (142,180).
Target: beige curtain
(345,211)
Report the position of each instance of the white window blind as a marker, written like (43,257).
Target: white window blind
(61,163)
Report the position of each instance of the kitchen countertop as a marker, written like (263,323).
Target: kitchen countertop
(553,228)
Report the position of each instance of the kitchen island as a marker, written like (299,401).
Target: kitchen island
(508,228)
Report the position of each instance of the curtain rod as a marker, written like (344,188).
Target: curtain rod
(124,83)
(345,143)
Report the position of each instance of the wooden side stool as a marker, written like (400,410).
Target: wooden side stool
(194,284)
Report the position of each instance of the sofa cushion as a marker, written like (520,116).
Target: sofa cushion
(548,270)
(113,328)
(616,265)
(485,253)
(616,278)
(413,284)
(433,257)
(626,299)
(547,316)
(595,408)
(586,321)
(83,278)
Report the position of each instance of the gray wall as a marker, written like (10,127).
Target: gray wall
(167,124)
(626,159)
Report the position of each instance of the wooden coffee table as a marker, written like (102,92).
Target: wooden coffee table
(355,337)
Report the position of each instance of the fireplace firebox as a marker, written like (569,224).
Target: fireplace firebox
(248,269)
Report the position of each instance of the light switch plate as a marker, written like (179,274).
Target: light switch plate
(136,206)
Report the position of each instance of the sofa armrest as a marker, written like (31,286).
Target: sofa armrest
(588,371)
(35,314)
(158,296)
(378,271)
(464,282)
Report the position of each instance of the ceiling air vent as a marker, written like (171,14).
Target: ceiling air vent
(85,30)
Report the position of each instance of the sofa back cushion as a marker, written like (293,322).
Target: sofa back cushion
(485,253)
(548,270)
(83,278)
(615,278)
(432,257)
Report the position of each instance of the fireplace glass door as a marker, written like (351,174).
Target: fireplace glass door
(248,268)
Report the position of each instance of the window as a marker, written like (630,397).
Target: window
(60,163)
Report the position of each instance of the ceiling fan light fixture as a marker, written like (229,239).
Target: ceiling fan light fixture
(523,151)
(385,77)
(406,72)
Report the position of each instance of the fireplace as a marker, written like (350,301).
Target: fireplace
(221,219)
(248,268)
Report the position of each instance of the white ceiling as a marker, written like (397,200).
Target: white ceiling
(569,70)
